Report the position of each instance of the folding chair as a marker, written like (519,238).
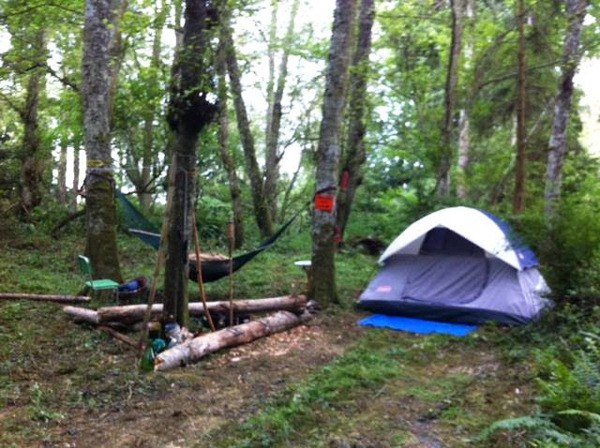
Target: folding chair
(97,285)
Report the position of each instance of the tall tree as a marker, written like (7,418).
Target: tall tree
(190,111)
(558,148)
(274,112)
(32,158)
(446,153)
(227,159)
(101,219)
(354,146)
(328,154)
(521,98)
(142,166)
(464,120)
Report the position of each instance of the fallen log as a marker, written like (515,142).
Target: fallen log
(193,350)
(44,297)
(130,314)
(82,314)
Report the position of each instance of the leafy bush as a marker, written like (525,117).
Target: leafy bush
(569,398)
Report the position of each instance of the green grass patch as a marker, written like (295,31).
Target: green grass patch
(299,411)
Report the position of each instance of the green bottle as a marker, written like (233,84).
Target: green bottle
(147,362)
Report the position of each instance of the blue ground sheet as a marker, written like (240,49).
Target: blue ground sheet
(418,326)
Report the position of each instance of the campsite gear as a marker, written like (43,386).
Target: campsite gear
(105,284)
(212,270)
(147,361)
(172,333)
(418,326)
(458,264)
(200,278)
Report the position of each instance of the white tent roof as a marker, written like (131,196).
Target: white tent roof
(472,224)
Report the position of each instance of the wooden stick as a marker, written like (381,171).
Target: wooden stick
(130,314)
(199,270)
(43,297)
(193,350)
(231,240)
(120,336)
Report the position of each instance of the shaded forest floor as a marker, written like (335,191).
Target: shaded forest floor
(329,383)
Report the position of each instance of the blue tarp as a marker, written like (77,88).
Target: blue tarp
(418,326)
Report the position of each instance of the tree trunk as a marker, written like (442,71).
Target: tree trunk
(75,186)
(272,155)
(328,154)
(131,314)
(144,181)
(195,349)
(464,121)
(101,218)
(61,181)
(116,52)
(261,210)
(32,158)
(235,190)
(189,113)
(576,11)
(355,152)
(464,149)
(446,153)
(521,161)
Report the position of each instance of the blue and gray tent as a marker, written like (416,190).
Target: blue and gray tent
(458,264)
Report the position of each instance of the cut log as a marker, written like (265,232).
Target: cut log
(44,297)
(193,350)
(82,314)
(130,314)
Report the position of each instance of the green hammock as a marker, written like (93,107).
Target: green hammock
(211,269)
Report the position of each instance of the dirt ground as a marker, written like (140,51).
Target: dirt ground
(106,403)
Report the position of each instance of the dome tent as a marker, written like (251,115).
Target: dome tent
(458,264)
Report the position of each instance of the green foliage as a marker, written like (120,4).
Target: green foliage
(569,396)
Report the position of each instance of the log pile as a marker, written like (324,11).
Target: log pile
(289,311)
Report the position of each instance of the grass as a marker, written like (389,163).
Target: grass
(382,388)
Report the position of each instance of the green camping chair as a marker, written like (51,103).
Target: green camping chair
(97,285)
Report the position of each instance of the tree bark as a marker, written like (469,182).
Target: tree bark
(32,158)
(75,186)
(446,151)
(101,219)
(576,11)
(116,51)
(274,113)
(44,297)
(355,151)
(261,209)
(189,113)
(235,190)
(82,314)
(464,121)
(328,154)
(195,349)
(521,161)
(143,177)
(131,314)
(464,149)
(62,173)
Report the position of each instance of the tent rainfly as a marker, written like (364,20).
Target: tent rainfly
(458,264)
